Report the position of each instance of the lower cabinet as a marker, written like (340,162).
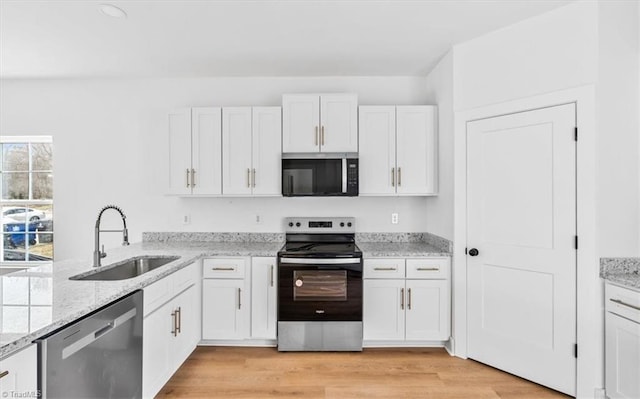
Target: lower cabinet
(264,298)
(171,330)
(19,373)
(406,301)
(622,342)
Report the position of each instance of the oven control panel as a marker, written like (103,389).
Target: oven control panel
(320,225)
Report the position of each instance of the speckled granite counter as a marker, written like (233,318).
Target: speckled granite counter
(377,245)
(39,300)
(621,271)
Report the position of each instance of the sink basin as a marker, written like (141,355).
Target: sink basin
(129,268)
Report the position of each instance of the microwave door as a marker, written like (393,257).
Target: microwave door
(298,181)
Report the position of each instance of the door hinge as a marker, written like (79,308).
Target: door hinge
(575,242)
(575,133)
(575,350)
(465,251)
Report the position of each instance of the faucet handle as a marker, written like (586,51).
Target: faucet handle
(102,253)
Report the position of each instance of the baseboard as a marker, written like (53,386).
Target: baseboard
(239,342)
(404,344)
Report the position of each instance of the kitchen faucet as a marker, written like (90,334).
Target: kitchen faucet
(97,253)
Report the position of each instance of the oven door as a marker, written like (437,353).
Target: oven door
(320,289)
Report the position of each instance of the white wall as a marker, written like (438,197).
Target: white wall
(440,88)
(109,147)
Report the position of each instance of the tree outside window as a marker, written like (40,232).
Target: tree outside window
(26,201)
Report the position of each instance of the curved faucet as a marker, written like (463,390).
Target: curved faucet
(99,254)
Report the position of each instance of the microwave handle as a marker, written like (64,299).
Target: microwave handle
(344,175)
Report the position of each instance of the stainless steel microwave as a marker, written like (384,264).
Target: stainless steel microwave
(319,174)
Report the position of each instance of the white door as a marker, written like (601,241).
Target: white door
(179,144)
(339,123)
(188,335)
(377,155)
(236,150)
(157,352)
(206,151)
(224,309)
(383,310)
(300,123)
(264,298)
(267,150)
(428,314)
(521,219)
(416,150)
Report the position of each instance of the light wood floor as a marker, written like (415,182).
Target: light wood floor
(222,372)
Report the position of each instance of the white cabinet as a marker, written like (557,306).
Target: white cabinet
(406,301)
(171,326)
(226,303)
(398,150)
(194,151)
(19,373)
(622,342)
(264,281)
(251,150)
(320,123)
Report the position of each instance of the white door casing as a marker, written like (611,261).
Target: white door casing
(521,216)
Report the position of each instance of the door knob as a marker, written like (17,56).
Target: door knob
(473,252)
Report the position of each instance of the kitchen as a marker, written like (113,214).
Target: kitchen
(126,118)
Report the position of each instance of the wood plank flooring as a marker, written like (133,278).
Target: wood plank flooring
(225,372)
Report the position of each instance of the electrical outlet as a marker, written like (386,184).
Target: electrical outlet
(186,219)
(394,218)
(258,219)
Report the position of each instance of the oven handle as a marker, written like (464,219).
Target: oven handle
(320,261)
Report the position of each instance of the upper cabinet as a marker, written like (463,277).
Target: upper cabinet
(251,150)
(320,123)
(398,150)
(194,151)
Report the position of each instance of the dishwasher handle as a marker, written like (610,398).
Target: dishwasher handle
(96,334)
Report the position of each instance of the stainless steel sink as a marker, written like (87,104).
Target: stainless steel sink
(129,268)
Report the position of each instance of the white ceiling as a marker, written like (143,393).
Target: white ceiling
(169,38)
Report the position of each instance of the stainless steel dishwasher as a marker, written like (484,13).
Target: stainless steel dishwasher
(99,356)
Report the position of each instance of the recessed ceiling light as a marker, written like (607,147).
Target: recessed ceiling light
(112,11)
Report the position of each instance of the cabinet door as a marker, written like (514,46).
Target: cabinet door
(383,310)
(224,309)
(377,150)
(428,314)
(187,321)
(300,123)
(157,350)
(267,151)
(416,150)
(179,152)
(236,151)
(263,298)
(206,151)
(622,349)
(21,370)
(339,123)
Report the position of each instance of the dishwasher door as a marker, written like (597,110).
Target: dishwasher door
(99,356)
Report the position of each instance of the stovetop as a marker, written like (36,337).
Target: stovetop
(320,250)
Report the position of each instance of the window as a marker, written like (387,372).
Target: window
(26,201)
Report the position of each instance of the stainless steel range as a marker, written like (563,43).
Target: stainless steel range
(320,286)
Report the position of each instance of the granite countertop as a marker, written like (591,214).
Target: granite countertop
(39,300)
(621,271)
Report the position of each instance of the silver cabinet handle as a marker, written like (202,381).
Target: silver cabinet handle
(188,178)
(402,298)
(384,268)
(179,317)
(174,315)
(272,275)
(248,177)
(253,171)
(399,176)
(322,135)
(4,374)
(409,299)
(393,177)
(193,177)
(619,302)
(428,269)
(239,298)
(227,269)
(316,135)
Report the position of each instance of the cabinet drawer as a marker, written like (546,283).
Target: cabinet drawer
(223,268)
(184,278)
(157,294)
(429,268)
(384,268)
(623,302)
